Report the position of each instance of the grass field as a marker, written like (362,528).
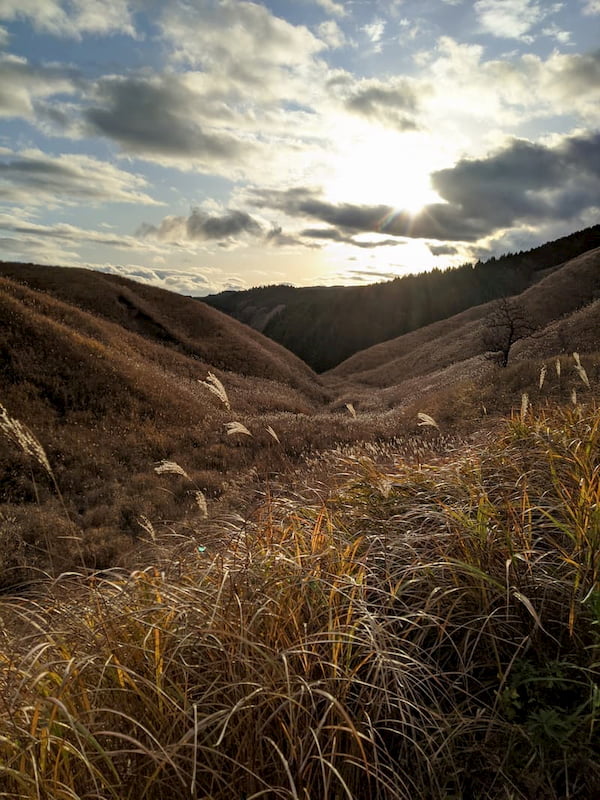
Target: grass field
(427,629)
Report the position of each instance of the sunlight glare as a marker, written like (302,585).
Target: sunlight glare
(383,169)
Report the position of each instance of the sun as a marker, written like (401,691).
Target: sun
(383,169)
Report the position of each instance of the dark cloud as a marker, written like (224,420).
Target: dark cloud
(159,117)
(369,275)
(394,106)
(443,250)
(201,226)
(525,182)
(277,238)
(581,72)
(334,235)
(439,221)
(522,183)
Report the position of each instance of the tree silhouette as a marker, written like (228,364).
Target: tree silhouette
(505,324)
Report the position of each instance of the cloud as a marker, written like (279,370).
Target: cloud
(241,39)
(160,117)
(332,7)
(369,275)
(201,226)
(190,282)
(443,250)
(32,178)
(500,89)
(374,31)
(331,33)
(63,232)
(334,235)
(591,7)
(523,183)
(277,238)
(440,221)
(22,83)
(511,19)
(393,103)
(72,18)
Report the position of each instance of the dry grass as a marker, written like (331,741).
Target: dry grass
(425,631)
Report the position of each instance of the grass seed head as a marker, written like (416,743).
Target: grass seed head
(425,419)
(170,467)
(237,427)
(214,385)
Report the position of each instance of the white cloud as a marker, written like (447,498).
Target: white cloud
(331,33)
(466,85)
(72,18)
(190,282)
(32,178)
(4,36)
(238,38)
(374,30)
(511,19)
(561,36)
(332,7)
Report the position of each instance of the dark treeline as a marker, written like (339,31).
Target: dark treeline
(325,325)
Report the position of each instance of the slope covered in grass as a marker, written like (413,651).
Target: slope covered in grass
(564,291)
(171,320)
(108,398)
(425,631)
(446,364)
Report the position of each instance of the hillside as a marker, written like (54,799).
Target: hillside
(326,325)
(112,390)
(170,320)
(561,307)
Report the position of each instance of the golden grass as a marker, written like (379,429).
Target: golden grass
(422,631)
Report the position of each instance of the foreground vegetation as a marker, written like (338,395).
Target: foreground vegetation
(419,630)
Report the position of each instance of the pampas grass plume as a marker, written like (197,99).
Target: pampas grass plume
(425,419)
(214,385)
(524,404)
(170,467)
(23,438)
(272,433)
(237,427)
(581,370)
(201,502)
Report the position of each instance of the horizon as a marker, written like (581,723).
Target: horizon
(212,145)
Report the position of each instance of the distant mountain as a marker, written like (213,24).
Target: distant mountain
(326,325)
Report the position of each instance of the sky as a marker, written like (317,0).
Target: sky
(203,145)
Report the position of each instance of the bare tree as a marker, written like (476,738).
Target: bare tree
(506,323)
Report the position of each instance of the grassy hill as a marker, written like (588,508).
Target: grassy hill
(326,325)
(107,373)
(450,355)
